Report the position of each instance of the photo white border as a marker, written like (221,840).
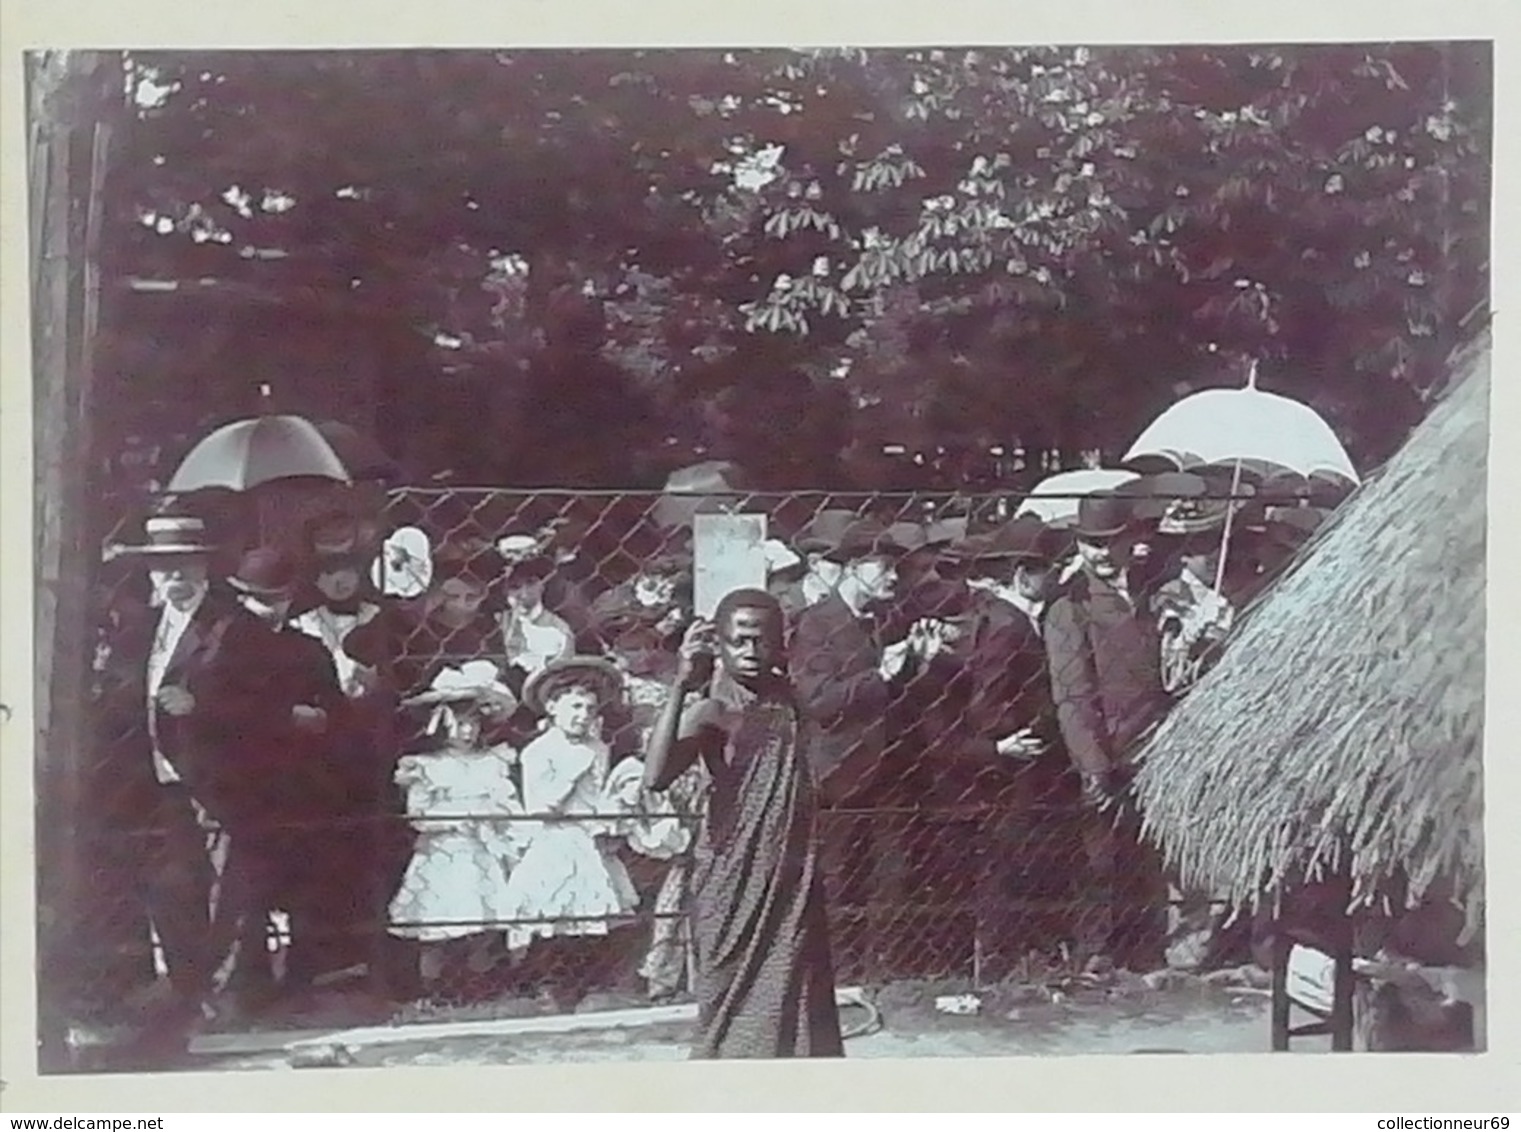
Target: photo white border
(1406,1084)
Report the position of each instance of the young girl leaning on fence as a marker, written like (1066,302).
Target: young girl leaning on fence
(569,889)
(463,804)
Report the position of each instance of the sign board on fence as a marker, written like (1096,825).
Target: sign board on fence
(729,554)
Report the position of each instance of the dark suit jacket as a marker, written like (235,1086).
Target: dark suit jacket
(239,749)
(834,659)
(1009,688)
(1105,666)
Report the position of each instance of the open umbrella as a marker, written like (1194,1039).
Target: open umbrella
(1256,434)
(1261,433)
(258,450)
(1054,500)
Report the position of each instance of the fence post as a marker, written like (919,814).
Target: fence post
(69,98)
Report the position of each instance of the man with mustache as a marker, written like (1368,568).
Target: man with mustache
(1104,657)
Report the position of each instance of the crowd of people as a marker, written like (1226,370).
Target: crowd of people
(511,782)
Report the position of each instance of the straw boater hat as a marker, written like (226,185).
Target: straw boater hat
(170,536)
(601,675)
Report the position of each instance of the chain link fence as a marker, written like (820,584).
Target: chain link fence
(439,853)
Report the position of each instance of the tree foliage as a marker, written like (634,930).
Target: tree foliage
(965,247)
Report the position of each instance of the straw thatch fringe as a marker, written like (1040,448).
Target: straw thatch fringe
(1346,716)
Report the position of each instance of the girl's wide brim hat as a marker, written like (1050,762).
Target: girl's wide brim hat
(476,681)
(600,674)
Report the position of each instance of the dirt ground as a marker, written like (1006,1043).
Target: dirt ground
(1021,1021)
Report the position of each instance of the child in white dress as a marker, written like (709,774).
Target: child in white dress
(569,889)
(453,896)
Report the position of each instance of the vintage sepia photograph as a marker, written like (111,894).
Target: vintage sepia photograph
(614,555)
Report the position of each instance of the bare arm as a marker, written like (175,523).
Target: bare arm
(677,737)
(677,740)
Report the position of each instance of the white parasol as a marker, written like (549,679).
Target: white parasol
(1246,430)
(1055,499)
(1260,432)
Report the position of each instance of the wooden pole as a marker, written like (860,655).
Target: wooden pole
(69,98)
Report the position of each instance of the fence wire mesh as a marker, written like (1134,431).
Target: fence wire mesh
(446,852)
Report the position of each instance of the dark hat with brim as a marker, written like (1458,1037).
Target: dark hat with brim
(944,600)
(867,538)
(171,536)
(1103,515)
(600,675)
(824,531)
(265,572)
(1024,539)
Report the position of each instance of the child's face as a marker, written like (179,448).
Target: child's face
(460,599)
(525,597)
(467,727)
(574,711)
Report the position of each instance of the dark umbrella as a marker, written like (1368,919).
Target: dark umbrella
(258,450)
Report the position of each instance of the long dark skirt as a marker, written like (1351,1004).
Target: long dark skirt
(764,976)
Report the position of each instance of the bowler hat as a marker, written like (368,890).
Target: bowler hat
(265,571)
(1103,514)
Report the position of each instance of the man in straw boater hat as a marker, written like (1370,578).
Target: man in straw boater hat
(1103,654)
(1193,615)
(194,616)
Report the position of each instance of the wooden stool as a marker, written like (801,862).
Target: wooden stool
(1337,1023)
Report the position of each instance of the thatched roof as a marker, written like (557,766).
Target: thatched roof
(1346,715)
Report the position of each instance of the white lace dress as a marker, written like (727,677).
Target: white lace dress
(456,883)
(566,881)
